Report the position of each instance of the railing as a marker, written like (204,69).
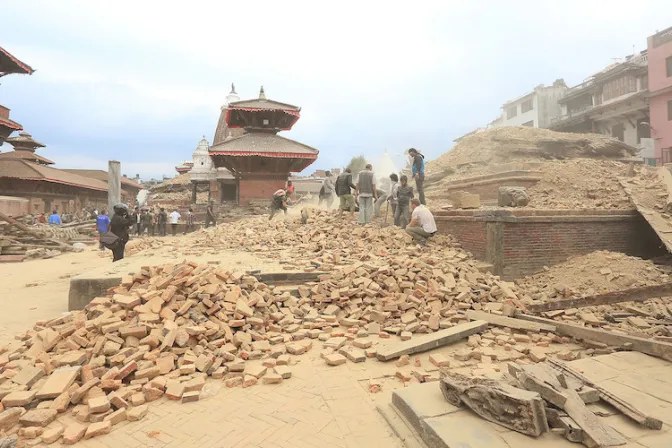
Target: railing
(574,113)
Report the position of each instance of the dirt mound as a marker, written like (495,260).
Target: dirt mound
(595,273)
(505,144)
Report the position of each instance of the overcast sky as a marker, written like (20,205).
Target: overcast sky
(141,81)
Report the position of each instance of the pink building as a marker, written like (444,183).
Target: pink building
(660,88)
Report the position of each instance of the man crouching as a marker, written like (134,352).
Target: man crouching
(422,225)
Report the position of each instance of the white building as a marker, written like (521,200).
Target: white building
(535,109)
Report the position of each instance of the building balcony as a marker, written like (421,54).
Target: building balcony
(574,114)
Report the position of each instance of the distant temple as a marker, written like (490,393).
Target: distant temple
(247,160)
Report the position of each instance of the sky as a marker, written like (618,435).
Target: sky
(141,82)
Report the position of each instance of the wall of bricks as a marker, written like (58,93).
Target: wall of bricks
(259,189)
(522,242)
(489,191)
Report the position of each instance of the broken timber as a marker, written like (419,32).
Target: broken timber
(626,295)
(427,342)
(509,322)
(611,398)
(650,347)
(513,408)
(542,379)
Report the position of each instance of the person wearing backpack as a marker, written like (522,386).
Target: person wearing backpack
(279,202)
(119,226)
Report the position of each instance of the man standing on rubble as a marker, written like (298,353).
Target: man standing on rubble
(422,226)
(210,215)
(344,187)
(418,171)
(366,192)
(174,219)
(161,219)
(119,226)
(404,194)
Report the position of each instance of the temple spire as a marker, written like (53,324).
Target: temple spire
(233,89)
(262,95)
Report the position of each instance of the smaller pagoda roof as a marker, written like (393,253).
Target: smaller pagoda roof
(10,64)
(24,140)
(26,155)
(21,169)
(265,145)
(263,104)
(11,124)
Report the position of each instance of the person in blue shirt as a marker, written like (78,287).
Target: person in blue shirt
(55,218)
(418,171)
(103,225)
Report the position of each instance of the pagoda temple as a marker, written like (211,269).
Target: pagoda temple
(10,65)
(247,145)
(24,149)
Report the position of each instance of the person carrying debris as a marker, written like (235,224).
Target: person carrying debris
(366,191)
(161,220)
(210,215)
(344,187)
(418,170)
(403,197)
(103,226)
(279,202)
(119,226)
(190,227)
(145,222)
(55,219)
(422,225)
(174,219)
(327,190)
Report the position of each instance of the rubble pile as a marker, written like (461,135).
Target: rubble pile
(573,170)
(179,188)
(19,240)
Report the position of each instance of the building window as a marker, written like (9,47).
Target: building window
(529,123)
(644,82)
(511,112)
(669,110)
(669,66)
(526,106)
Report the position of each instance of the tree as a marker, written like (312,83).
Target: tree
(356,165)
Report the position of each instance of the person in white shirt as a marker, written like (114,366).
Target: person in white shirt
(174,219)
(422,225)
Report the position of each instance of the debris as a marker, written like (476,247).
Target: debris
(512,197)
(509,322)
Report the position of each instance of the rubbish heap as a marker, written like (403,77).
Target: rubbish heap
(18,241)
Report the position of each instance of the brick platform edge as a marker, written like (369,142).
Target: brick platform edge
(522,242)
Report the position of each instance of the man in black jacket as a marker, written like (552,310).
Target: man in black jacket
(344,187)
(119,225)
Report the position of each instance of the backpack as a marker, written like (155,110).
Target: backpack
(279,193)
(109,240)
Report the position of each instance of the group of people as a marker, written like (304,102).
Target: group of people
(153,222)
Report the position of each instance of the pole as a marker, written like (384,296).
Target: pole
(113,185)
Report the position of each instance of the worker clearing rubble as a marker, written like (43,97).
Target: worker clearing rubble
(418,171)
(344,187)
(422,225)
(279,202)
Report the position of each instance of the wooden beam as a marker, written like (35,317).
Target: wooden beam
(611,397)
(509,322)
(626,295)
(542,379)
(651,347)
(427,342)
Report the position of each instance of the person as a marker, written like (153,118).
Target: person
(174,219)
(42,219)
(418,171)
(344,187)
(151,222)
(145,222)
(422,225)
(383,187)
(55,219)
(190,222)
(404,195)
(136,220)
(365,190)
(327,191)
(210,215)
(392,193)
(103,226)
(290,189)
(119,225)
(279,202)
(161,219)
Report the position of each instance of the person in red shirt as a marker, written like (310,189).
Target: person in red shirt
(290,189)
(42,219)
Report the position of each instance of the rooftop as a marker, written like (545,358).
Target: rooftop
(26,155)
(21,169)
(10,64)
(264,145)
(102,176)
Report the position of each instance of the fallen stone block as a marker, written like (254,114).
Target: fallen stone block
(38,417)
(98,429)
(73,433)
(137,413)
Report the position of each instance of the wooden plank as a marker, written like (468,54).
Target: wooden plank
(626,295)
(611,398)
(544,380)
(509,322)
(651,347)
(12,258)
(423,343)
(513,408)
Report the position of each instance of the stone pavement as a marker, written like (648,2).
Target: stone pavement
(320,406)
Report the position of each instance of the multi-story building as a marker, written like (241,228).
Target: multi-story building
(612,102)
(535,109)
(660,93)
